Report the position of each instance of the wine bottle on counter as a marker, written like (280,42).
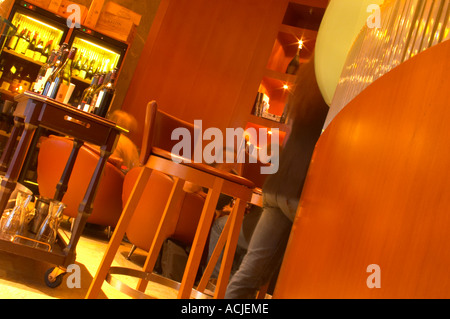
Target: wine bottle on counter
(65,77)
(61,80)
(44,73)
(86,97)
(105,95)
(61,58)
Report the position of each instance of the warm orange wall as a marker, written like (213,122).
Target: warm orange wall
(204,59)
(378,192)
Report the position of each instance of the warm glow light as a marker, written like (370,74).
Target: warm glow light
(42,23)
(269,132)
(97,46)
(285,86)
(300,44)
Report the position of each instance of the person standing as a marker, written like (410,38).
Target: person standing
(281,191)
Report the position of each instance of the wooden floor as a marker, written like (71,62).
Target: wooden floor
(23,278)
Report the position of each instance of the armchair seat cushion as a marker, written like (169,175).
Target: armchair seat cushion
(53,155)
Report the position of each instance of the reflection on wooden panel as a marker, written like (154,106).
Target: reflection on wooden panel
(378,192)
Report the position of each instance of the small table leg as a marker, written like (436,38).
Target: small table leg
(9,182)
(85,208)
(9,148)
(61,187)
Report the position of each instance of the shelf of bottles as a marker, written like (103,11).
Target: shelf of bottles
(25,50)
(34,39)
(92,59)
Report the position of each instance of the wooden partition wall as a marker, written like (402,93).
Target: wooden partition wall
(378,193)
(204,60)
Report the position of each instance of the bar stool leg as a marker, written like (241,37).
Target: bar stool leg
(236,216)
(200,238)
(165,228)
(119,232)
(214,257)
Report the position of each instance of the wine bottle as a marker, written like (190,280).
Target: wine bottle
(22,41)
(78,65)
(14,38)
(26,43)
(86,97)
(63,78)
(46,52)
(38,51)
(61,58)
(29,52)
(106,95)
(44,73)
(83,69)
(293,66)
(101,79)
(90,71)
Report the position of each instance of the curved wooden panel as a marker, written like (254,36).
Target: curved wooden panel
(378,192)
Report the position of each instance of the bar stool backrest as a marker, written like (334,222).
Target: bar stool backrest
(158,130)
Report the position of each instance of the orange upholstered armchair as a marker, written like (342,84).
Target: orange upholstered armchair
(53,154)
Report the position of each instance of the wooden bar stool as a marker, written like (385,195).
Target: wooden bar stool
(159,126)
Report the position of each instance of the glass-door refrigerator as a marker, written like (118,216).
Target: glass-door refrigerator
(96,54)
(25,50)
